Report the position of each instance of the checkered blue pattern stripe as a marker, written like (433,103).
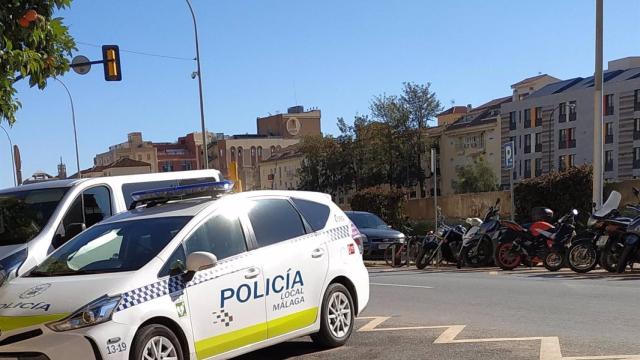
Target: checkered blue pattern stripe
(176,283)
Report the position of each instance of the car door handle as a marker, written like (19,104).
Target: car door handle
(252,273)
(317,253)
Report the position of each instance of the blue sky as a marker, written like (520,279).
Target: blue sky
(260,56)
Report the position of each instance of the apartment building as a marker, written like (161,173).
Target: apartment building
(552,125)
(280,170)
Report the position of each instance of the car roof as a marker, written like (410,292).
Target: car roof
(52,184)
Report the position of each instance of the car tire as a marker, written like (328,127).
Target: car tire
(149,334)
(335,298)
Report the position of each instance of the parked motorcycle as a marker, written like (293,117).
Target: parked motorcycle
(444,244)
(477,250)
(603,241)
(541,242)
(630,253)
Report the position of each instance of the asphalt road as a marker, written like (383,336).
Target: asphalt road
(489,314)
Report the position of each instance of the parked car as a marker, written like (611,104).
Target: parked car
(202,278)
(379,235)
(36,219)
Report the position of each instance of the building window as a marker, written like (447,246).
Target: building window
(259,153)
(562,163)
(573,115)
(527,143)
(562,112)
(253,156)
(240,157)
(608,160)
(571,160)
(636,129)
(538,116)
(186,165)
(538,165)
(167,167)
(512,120)
(567,138)
(608,133)
(527,118)
(233,154)
(538,142)
(527,168)
(513,141)
(636,157)
(608,104)
(273,149)
(636,100)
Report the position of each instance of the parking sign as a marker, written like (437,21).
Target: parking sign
(508,155)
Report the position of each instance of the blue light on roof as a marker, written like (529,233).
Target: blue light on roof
(219,187)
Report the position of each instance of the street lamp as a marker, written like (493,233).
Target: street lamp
(13,164)
(199,74)
(551,121)
(73,119)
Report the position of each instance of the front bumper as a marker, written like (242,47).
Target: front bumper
(375,249)
(109,340)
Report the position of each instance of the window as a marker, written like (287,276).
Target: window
(538,165)
(538,111)
(275,220)
(562,112)
(186,165)
(315,213)
(513,141)
(573,115)
(562,136)
(566,138)
(571,160)
(608,160)
(562,163)
(636,129)
(240,157)
(608,133)
(177,263)
(259,153)
(92,207)
(168,166)
(512,120)
(527,143)
(636,157)
(608,104)
(220,235)
(233,154)
(538,141)
(254,160)
(527,168)
(636,100)
(527,118)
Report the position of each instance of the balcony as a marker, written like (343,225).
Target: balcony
(571,144)
(573,116)
(527,123)
(636,164)
(538,171)
(538,148)
(608,139)
(562,118)
(527,149)
(609,110)
(608,166)
(538,122)
(636,135)
(512,125)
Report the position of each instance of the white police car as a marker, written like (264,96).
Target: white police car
(192,279)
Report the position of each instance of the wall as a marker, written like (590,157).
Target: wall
(460,206)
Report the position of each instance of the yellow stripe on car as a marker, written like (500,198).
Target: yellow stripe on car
(9,323)
(236,339)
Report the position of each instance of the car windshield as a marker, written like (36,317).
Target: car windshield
(367,220)
(112,247)
(23,214)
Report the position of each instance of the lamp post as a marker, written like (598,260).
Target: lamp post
(551,120)
(73,120)
(13,164)
(199,74)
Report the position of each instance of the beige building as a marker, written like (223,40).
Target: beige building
(123,166)
(134,148)
(280,170)
(296,123)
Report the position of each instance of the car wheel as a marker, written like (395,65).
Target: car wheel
(337,317)
(156,342)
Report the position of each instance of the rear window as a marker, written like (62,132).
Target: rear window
(130,188)
(275,220)
(315,213)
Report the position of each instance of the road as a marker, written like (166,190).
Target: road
(489,314)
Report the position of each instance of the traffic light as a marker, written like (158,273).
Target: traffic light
(111,58)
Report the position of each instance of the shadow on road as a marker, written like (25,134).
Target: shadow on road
(287,350)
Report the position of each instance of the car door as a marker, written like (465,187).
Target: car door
(295,264)
(226,308)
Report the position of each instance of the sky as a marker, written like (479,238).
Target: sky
(261,56)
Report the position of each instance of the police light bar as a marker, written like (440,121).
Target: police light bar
(181,192)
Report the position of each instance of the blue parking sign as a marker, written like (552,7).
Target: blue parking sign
(508,155)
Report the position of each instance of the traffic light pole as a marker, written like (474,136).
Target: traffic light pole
(204,131)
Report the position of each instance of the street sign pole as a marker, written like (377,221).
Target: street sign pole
(508,164)
(435,186)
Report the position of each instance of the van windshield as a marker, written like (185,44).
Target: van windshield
(23,214)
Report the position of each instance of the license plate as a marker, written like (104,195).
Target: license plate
(602,240)
(383,246)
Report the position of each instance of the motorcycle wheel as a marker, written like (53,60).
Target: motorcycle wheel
(610,256)
(480,258)
(583,257)
(624,260)
(553,261)
(506,257)
(425,257)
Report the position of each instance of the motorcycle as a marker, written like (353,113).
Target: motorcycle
(540,242)
(443,245)
(477,249)
(602,242)
(630,253)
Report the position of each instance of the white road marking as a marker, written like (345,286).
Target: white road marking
(401,285)
(549,345)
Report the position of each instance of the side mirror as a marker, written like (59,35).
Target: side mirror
(200,260)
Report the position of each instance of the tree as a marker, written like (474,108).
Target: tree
(475,177)
(34,46)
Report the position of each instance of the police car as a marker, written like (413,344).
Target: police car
(196,278)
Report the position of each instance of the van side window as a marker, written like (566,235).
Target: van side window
(220,235)
(93,206)
(275,220)
(315,213)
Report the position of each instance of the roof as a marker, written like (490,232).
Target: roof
(454,110)
(291,151)
(483,114)
(121,163)
(530,79)
(580,83)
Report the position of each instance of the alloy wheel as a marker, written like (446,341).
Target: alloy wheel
(159,348)
(339,315)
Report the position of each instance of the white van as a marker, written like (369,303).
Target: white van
(37,218)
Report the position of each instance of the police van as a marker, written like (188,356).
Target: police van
(198,278)
(37,218)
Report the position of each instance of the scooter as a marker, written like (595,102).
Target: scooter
(477,249)
(630,253)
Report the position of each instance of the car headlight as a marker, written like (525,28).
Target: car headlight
(95,313)
(9,266)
